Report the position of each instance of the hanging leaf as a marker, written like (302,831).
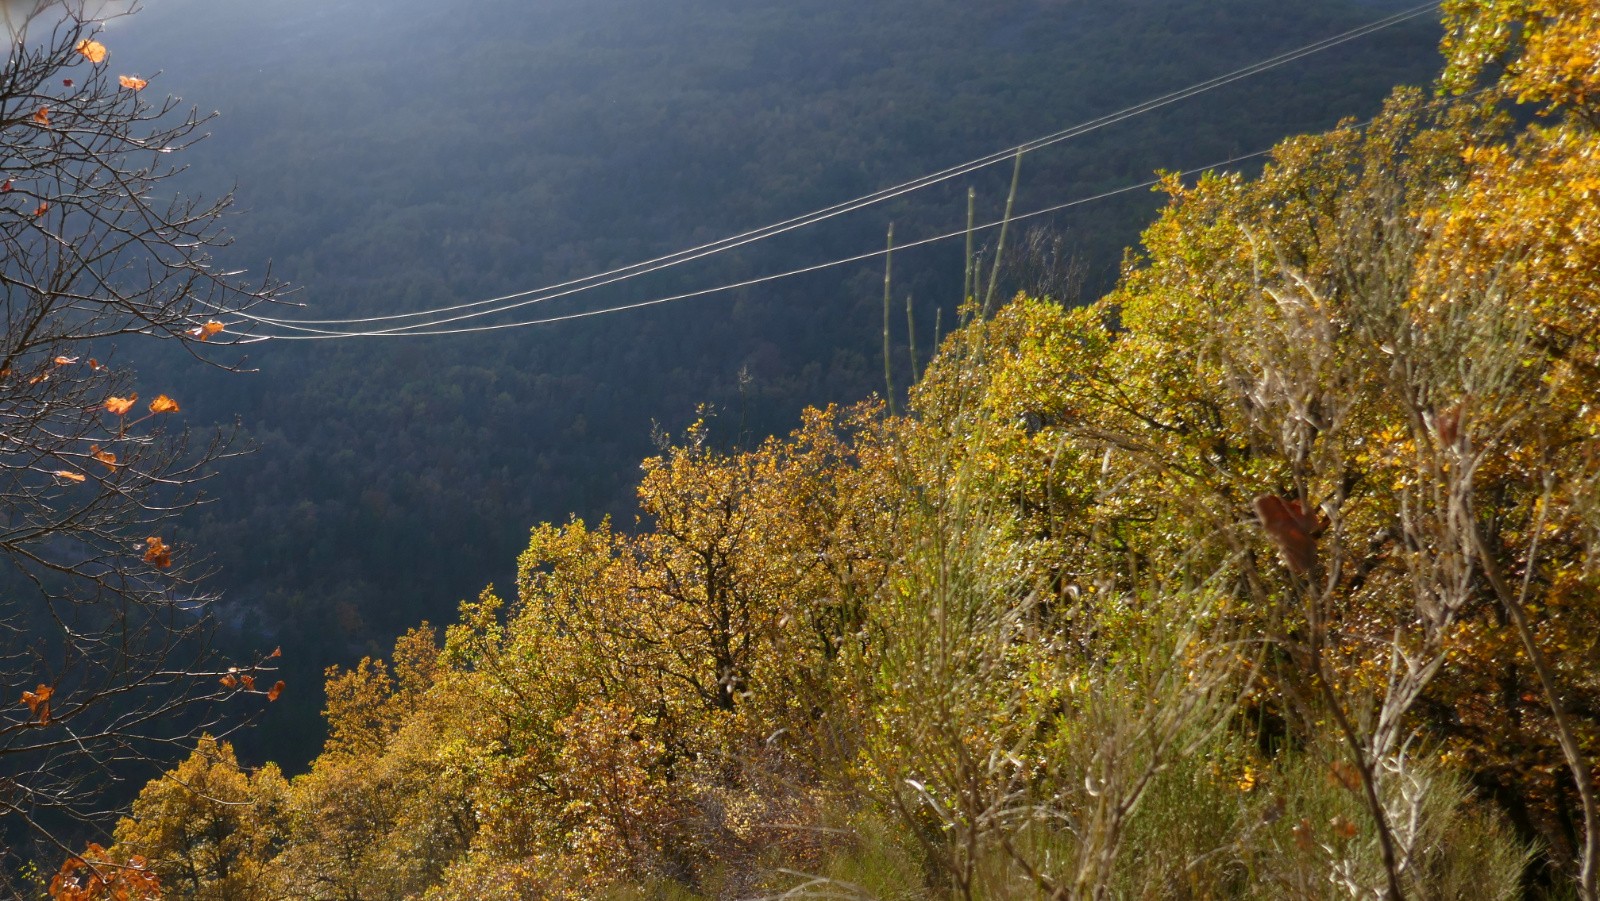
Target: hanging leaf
(163,404)
(6,188)
(42,115)
(104,456)
(66,361)
(248,681)
(119,406)
(73,476)
(93,51)
(230,681)
(204,332)
(276,691)
(38,702)
(157,554)
(42,209)
(132,83)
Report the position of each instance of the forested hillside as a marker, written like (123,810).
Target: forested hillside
(424,154)
(1270,573)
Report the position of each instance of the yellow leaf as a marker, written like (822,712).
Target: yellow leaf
(93,51)
(163,404)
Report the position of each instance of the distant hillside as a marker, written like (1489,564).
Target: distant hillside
(416,155)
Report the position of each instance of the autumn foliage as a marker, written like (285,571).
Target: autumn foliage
(1270,574)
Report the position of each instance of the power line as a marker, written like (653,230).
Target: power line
(504,303)
(748,283)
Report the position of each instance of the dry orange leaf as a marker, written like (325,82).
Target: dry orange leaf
(93,51)
(276,691)
(74,476)
(249,682)
(66,361)
(38,702)
(1343,827)
(157,554)
(43,208)
(104,456)
(132,83)
(276,652)
(42,115)
(229,681)
(204,332)
(1345,774)
(119,406)
(163,404)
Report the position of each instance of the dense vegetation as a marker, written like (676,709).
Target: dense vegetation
(437,153)
(1270,574)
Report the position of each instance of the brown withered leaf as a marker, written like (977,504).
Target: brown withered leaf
(1292,529)
(1448,424)
(276,691)
(1303,835)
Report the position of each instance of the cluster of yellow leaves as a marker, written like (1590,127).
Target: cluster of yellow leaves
(209,826)
(1548,50)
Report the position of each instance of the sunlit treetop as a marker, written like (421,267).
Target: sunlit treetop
(1539,51)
